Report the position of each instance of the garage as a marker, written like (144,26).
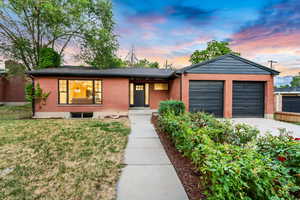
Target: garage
(291,104)
(248,99)
(206,96)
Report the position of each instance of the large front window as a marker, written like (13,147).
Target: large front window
(80,91)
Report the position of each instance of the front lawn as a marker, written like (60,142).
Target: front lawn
(61,159)
(15,112)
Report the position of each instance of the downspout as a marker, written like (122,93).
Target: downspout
(180,87)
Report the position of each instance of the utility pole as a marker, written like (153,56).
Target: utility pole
(271,63)
(166,64)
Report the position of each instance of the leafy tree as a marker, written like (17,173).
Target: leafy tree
(214,49)
(100,44)
(49,58)
(296,81)
(144,63)
(27,26)
(284,86)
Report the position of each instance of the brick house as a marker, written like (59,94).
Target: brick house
(227,86)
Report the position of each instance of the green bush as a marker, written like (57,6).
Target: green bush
(231,170)
(177,107)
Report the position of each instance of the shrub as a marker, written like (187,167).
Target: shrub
(231,171)
(176,107)
(223,131)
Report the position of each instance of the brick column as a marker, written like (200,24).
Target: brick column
(185,91)
(269,99)
(228,99)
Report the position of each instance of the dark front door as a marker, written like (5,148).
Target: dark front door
(139,95)
(248,99)
(206,96)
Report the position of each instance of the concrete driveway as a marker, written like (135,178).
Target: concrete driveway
(270,125)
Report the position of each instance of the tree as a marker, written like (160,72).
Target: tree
(214,49)
(29,25)
(49,58)
(296,81)
(100,44)
(145,63)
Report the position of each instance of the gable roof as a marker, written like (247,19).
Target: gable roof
(137,72)
(228,64)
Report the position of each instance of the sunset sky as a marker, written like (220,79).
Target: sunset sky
(260,30)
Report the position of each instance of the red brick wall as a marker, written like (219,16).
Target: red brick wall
(157,96)
(174,89)
(12,89)
(228,79)
(115,96)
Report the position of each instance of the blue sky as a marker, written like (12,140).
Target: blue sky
(171,29)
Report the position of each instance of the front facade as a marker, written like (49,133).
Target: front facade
(228,86)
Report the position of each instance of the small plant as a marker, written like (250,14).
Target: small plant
(36,93)
(176,107)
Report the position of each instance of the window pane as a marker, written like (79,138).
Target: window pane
(98,86)
(63,97)
(161,86)
(80,92)
(131,94)
(62,91)
(62,85)
(147,94)
(98,98)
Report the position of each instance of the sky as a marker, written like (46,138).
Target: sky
(161,30)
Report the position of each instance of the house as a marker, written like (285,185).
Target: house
(227,86)
(287,99)
(12,89)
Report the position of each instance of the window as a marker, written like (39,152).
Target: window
(161,86)
(80,92)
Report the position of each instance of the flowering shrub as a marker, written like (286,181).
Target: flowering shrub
(227,156)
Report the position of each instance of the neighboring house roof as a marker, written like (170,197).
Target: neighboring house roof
(288,90)
(228,64)
(114,72)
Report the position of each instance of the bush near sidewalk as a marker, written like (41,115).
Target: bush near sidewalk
(230,158)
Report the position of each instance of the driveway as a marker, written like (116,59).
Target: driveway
(270,125)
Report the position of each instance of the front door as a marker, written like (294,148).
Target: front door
(139,95)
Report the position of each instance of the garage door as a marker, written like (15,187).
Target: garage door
(291,104)
(248,99)
(206,96)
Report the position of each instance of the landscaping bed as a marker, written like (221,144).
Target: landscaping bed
(186,170)
(232,161)
(61,159)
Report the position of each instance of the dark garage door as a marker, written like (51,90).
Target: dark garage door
(206,96)
(248,99)
(291,104)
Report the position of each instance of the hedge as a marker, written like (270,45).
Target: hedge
(233,167)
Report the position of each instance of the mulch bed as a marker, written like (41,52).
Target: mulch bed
(185,169)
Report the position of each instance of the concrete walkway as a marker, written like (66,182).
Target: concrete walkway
(270,125)
(149,173)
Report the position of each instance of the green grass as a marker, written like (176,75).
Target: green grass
(61,159)
(15,112)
